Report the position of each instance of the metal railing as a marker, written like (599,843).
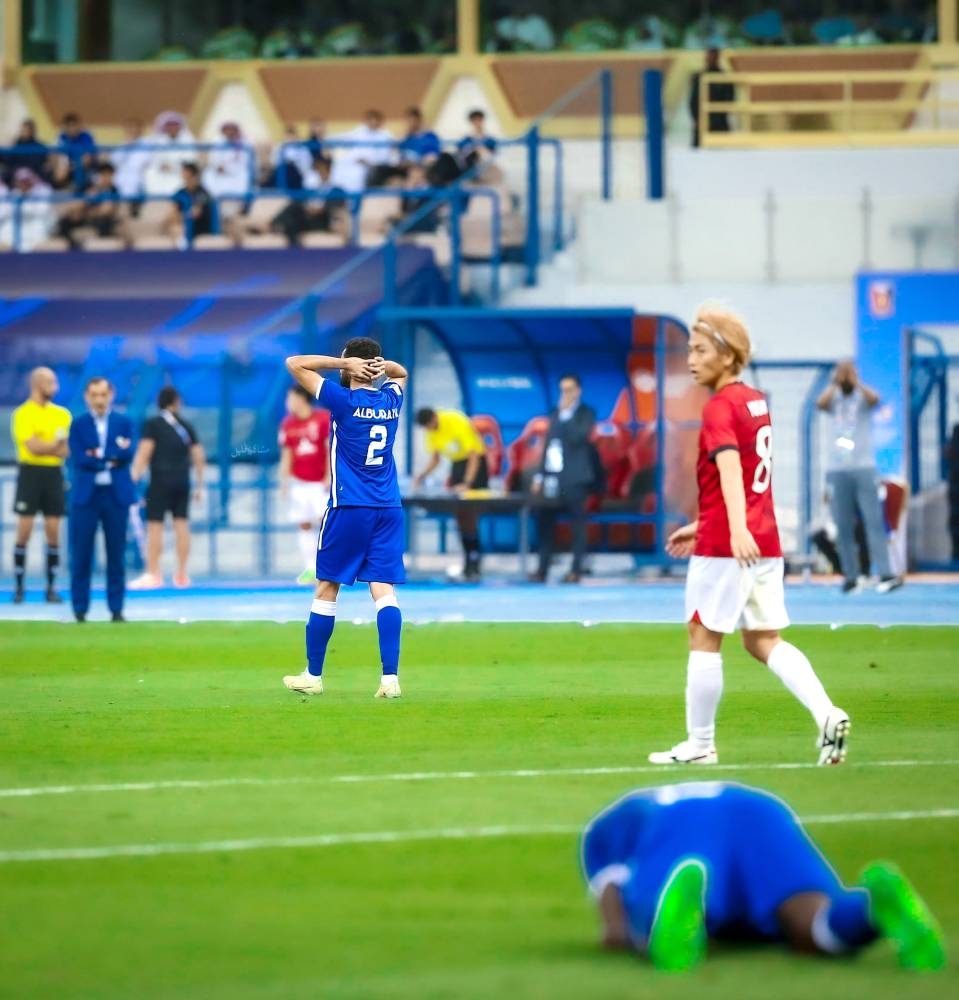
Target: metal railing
(854,107)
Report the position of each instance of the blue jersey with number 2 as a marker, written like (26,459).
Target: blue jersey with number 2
(363,429)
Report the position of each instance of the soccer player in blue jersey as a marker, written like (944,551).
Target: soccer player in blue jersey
(674,865)
(361,535)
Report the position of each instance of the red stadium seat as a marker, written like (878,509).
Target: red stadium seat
(612,442)
(641,478)
(895,508)
(526,453)
(488,429)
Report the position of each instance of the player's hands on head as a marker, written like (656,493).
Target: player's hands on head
(744,548)
(681,542)
(361,368)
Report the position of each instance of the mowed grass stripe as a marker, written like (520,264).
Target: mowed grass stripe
(400,776)
(390,837)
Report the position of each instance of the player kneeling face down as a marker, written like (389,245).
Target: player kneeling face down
(735,579)
(673,867)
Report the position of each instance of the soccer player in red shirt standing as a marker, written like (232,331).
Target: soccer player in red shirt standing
(304,471)
(735,578)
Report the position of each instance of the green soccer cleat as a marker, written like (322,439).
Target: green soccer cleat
(900,914)
(677,941)
(307,576)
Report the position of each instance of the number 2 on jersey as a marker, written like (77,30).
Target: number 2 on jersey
(764,450)
(377,444)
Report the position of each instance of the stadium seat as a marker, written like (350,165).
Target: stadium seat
(438,242)
(318,239)
(828,30)
(262,241)
(525,454)
(641,459)
(103,244)
(257,220)
(764,28)
(213,241)
(156,241)
(612,442)
(148,222)
(488,429)
(52,244)
(377,215)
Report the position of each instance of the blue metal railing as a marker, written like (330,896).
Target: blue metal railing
(928,386)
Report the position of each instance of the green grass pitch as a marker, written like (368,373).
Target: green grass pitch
(500,916)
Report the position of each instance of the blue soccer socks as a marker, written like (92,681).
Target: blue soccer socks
(319,628)
(389,623)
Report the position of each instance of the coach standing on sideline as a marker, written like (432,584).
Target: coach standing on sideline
(567,474)
(852,475)
(39,428)
(168,445)
(101,449)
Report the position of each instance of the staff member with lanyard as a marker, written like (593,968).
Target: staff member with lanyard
(449,433)
(101,449)
(168,446)
(853,477)
(39,428)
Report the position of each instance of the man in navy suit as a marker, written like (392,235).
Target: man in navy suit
(101,449)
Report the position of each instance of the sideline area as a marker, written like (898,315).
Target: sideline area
(925,600)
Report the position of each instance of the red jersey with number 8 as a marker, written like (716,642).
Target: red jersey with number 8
(736,418)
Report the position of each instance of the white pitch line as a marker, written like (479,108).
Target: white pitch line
(383,837)
(358,779)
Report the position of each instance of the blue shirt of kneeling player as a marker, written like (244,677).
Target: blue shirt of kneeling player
(675,865)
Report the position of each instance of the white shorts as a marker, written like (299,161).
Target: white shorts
(728,597)
(308,502)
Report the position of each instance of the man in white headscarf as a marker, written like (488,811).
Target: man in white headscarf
(228,172)
(176,142)
(30,199)
(371,145)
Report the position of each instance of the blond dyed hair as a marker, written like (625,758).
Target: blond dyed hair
(727,330)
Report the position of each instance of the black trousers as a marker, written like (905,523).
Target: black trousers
(572,504)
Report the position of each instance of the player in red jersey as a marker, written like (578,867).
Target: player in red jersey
(735,578)
(304,471)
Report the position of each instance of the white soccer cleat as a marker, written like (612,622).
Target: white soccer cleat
(304,683)
(832,739)
(389,688)
(686,752)
(146,581)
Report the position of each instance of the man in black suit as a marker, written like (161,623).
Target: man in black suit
(567,474)
(101,449)
(718,91)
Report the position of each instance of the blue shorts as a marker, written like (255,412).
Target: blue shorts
(361,543)
(756,854)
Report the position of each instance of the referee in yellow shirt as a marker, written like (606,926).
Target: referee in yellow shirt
(39,428)
(450,434)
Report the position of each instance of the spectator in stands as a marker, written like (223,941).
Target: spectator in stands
(420,144)
(6,214)
(371,147)
(97,211)
(168,447)
(315,134)
(292,161)
(192,214)
(176,142)
(567,475)
(26,151)
(648,33)
(314,214)
(30,205)
(718,120)
(523,30)
(450,434)
(130,160)
(229,169)
(852,475)
(417,180)
(78,150)
(476,145)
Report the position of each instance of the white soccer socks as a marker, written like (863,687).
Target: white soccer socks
(704,689)
(791,666)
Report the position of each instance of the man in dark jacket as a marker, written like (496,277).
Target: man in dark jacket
(567,475)
(718,91)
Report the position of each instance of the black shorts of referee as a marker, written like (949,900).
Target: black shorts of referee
(40,491)
(168,495)
(480,480)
